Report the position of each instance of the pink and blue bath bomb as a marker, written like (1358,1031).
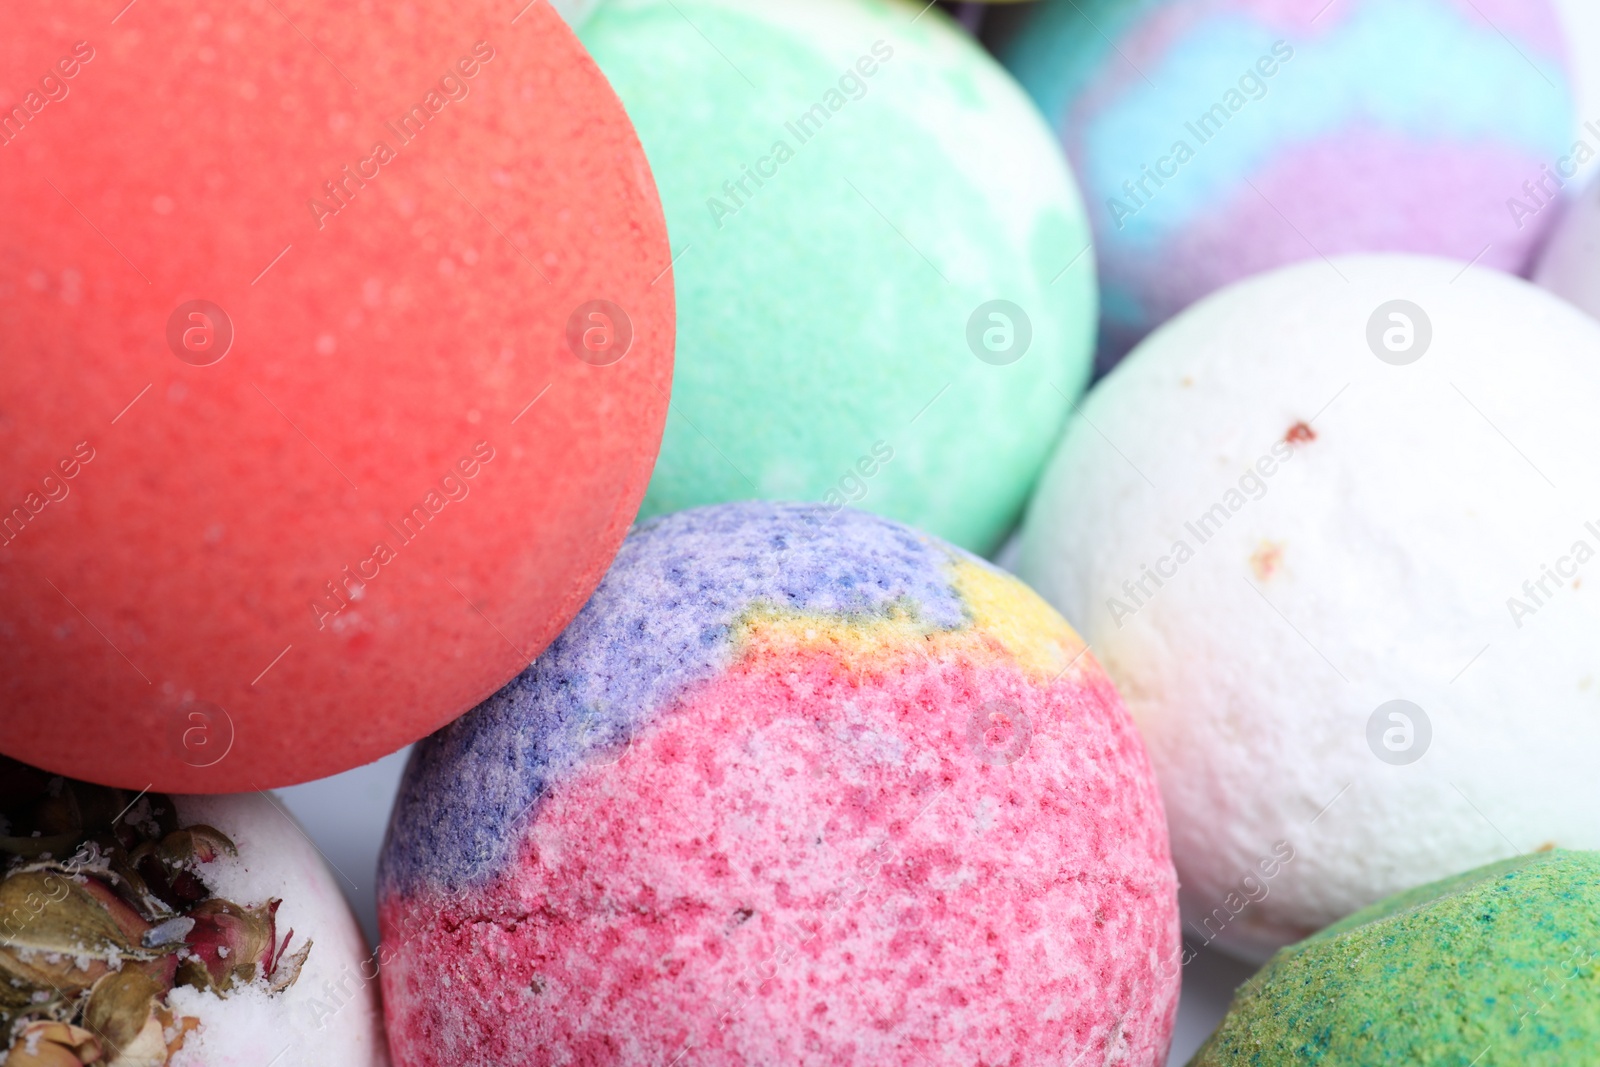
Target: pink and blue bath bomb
(791,789)
(1216,139)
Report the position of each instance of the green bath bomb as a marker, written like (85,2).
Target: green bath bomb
(851,188)
(1496,967)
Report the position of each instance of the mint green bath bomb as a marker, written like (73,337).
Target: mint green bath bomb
(1499,967)
(851,187)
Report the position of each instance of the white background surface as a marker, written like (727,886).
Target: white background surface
(346,816)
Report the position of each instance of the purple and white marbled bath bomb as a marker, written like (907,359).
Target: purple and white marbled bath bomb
(1215,139)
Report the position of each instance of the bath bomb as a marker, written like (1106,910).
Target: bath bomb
(1216,139)
(333,362)
(1570,265)
(1342,567)
(885,284)
(195,931)
(790,789)
(1500,965)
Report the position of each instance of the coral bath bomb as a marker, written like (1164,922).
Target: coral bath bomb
(1219,138)
(885,288)
(1342,567)
(276,498)
(788,790)
(195,931)
(1502,959)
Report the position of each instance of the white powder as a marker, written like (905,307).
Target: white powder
(329,1016)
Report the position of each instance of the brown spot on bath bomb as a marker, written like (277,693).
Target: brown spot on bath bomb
(1266,560)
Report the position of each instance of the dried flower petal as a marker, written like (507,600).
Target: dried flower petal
(147,1049)
(176,890)
(50,979)
(184,850)
(131,887)
(119,1006)
(175,1028)
(247,935)
(53,1044)
(195,844)
(49,912)
(15,1002)
(129,921)
(60,936)
(101,910)
(286,969)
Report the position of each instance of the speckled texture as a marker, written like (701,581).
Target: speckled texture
(1379,125)
(1499,967)
(1266,533)
(750,808)
(337,537)
(823,308)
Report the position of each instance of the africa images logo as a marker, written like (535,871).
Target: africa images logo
(53,89)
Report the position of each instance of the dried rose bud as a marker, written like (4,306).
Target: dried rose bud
(228,944)
(59,936)
(114,904)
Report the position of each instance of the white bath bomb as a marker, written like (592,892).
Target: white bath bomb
(1570,266)
(1322,490)
(330,1015)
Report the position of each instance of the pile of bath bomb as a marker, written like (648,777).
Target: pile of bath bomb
(1498,965)
(790,787)
(1344,570)
(886,293)
(322,412)
(1219,138)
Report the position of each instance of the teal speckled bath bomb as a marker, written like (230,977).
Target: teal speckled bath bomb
(849,185)
(1493,968)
